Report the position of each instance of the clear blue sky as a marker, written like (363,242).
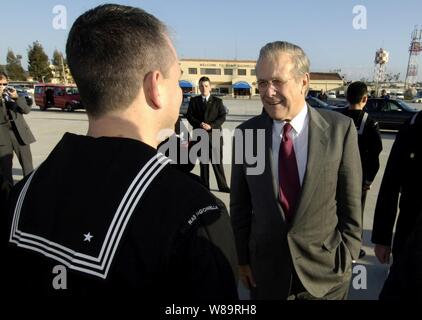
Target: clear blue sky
(230,29)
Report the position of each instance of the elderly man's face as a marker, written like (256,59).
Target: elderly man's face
(282,95)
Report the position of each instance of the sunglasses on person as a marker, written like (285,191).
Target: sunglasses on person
(4,84)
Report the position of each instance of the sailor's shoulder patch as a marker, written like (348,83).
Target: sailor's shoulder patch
(208,210)
(201,217)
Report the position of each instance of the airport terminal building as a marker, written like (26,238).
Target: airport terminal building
(237,77)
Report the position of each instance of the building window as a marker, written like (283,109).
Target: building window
(211,71)
(253,72)
(228,72)
(193,71)
(241,72)
(224,90)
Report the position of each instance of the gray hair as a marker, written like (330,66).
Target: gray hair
(299,58)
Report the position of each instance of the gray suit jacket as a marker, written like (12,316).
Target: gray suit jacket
(325,233)
(22,128)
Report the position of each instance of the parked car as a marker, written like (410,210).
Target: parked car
(185,103)
(319,104)
(28,87)
(331,95)
(397,95)
(65,97)
(418,97)
(21,91)
(389,113)
(314,93)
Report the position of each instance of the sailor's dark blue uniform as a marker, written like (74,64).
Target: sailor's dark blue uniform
(119,218)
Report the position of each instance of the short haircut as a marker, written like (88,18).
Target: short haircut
(203,79)
(299,58)
(356,91)
(110,50)
(3,75)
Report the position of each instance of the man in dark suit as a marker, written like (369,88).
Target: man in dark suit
(208,113)
(15,135)
(401,180)
(297,223)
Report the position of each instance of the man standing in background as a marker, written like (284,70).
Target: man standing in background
(15,135)
(207,112)
(369,138)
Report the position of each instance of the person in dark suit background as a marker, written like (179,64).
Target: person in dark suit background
(400,185)
(15,135)
(207,112)
(322,96)
(297,224)
(369,137)
(406,277)
(411,269)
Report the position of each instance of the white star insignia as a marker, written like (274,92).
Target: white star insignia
(88,237)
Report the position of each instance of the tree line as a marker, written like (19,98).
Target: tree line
(38,64)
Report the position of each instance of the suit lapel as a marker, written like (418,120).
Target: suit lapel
(271,181)
(317,145)
(269,155)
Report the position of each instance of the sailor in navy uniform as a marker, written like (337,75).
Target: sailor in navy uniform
(106,213)
(163,233)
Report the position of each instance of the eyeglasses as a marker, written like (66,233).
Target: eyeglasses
(276,83)
(3,84)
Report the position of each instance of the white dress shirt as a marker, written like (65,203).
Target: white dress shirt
(206,98)
(299,135)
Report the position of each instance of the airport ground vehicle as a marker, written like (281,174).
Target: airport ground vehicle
(65,97)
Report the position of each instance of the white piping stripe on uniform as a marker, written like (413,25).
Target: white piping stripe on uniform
(128,212)
(50,244)
(161,160)
(48,248)
(131,212)
(129,191)
(66,263)
(58,246)
(72,259)
(20,199)
(128,204)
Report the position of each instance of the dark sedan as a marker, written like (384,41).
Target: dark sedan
(185,103)
(319,104)
(390,114)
